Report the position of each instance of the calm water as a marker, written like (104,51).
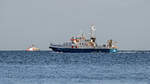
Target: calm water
(45,67)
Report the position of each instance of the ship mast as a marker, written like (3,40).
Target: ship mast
(92,31)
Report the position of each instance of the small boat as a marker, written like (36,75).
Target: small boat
(32,48)
(83,44)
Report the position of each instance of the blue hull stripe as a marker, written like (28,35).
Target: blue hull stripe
(77,50)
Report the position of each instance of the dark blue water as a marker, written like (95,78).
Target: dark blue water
(45,67)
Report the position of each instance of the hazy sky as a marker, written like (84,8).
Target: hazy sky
(39,22)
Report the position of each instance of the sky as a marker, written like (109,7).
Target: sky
(41,22)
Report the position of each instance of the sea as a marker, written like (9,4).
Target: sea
(46,67)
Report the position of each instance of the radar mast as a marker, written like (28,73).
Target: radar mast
(92,31)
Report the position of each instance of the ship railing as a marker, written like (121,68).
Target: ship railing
(58,45)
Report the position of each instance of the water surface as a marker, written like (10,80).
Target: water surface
(45,67)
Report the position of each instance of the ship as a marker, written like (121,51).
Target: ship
(84,44)
(33,48)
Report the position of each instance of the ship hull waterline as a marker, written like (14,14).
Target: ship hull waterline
(83,50)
